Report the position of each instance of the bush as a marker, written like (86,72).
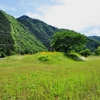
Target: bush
(97,51)
(85,53)
(43,58)
(2,55)
(75,57)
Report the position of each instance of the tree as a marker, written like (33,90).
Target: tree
(68,40)
(85,52)
(97,51)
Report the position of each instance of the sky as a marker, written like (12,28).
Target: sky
(82,16)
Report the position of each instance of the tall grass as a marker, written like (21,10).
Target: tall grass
(49,76)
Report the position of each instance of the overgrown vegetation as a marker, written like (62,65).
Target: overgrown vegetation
(64,75)
(67,41)
(41,30)
(55,78)
(16,38)
(25,35)
(97,51)
(85,52)
(92,44)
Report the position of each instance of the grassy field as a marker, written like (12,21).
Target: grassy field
(49,76)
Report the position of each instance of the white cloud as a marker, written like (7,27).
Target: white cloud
(7,8)
(33,15)
(91,30)
(96,31)
(72,14)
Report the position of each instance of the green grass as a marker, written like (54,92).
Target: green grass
(49,76)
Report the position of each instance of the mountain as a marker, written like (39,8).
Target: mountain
(41,30)
(16,38)
(95,38)
(26,35)
(93,42)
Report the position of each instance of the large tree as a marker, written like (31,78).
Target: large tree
(68,40)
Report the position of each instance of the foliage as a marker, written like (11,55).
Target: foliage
(97,51)
(95,38)
(2,54)
(27,78)
(16,38)
(6,41)
(39,29)
(75,56)
(28,36)
(44,58)
(68,40)
(51,57)
(92,44)
(85,52)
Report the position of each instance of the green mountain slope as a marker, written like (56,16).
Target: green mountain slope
(95,37)
(26,35)
(41,30)
(15,37)
(92,44)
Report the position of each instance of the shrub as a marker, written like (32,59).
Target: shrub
(75,56)
(43,58)
(97,51)
(85,53)
(2,55)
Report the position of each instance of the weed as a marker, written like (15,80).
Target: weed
(29,78)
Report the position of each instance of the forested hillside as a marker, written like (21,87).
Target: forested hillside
(26,35)
(95,37)
(44,32)
(41,30)
(92,44)
(16,38)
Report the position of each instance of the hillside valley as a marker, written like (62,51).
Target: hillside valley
(26,35)
(42,31)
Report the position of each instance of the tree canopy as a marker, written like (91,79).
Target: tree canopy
(68,40)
